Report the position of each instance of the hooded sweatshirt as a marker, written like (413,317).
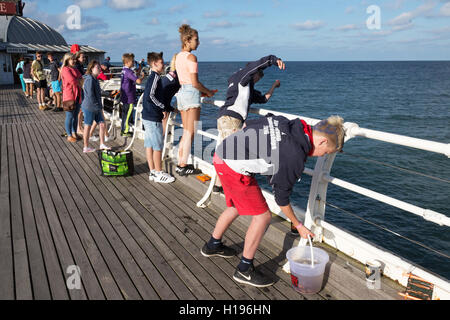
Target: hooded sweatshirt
(92,94)
(241,92)
(273,146)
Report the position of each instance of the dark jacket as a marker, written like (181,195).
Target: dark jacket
(241,92)
(170,85)
(273,146)
(154,98)
(92,94)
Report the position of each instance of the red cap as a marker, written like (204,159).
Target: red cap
(74,48)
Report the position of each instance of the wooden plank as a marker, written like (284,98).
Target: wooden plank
(102,238)
(134,205)
(108,285)
(269,257)
(184,294)
(21,269)
(123,203)
(6,261)
(176,238)
(224,267)
(39,282)
(46,187)
(162,211)
(139,254)
(55,274)
(60,196)
(282,289)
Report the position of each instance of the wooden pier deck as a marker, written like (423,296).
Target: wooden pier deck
(131,239)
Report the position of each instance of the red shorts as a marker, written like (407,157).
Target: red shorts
(241,191)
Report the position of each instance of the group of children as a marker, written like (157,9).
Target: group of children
(31,74)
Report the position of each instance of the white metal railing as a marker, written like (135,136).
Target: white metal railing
(315,211)
(353,130)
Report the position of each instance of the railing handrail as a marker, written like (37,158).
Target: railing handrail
(354,130)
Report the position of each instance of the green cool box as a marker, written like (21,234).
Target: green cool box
(116,164)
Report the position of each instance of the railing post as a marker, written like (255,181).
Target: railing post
(169,137)
(315,211)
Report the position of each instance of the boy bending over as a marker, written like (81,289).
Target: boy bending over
(272,146)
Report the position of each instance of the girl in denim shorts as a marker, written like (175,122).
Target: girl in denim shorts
(188,97)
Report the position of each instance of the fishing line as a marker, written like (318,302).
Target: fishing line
(399,168)
(390,231)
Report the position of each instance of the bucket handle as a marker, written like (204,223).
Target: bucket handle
(312,252)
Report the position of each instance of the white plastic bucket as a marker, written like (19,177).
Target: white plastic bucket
(307,277)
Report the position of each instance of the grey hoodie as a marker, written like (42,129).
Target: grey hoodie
(92,94)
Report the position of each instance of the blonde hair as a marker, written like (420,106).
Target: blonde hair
(172,63)
(68,56)
(186,33)
(332,129)
(127,57)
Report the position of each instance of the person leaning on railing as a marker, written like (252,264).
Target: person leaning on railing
(278,148)
(241,94)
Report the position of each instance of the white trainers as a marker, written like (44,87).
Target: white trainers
(104,147)
(163,177)
(94,138)
(88,149)
(106,138)
(151,175)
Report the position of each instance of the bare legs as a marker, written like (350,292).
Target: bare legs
(87,130)
(254,234)
(153,159)
(189,118)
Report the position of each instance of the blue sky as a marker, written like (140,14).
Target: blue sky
(239,30)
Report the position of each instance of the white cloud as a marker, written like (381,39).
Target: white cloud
(349,10)
(250,14)
(88,4)
(177,8)
(223,24)
(115,35)
(214,14)
(445,10)
(129,4)
(308,25)
(407,17)
(153,22)
(348,27)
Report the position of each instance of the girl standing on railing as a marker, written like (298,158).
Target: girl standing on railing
(188,97)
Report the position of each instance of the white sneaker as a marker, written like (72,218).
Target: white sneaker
(106,138)
(94,138)
(151,175)
(163,177)
(104,147)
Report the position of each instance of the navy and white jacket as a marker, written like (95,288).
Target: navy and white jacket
(157,97)
(274,146)
(170,84)
(241,92)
